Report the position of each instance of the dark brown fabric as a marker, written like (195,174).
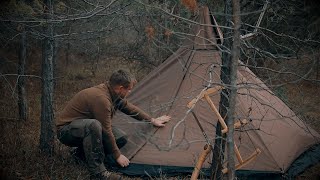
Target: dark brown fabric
(99,102)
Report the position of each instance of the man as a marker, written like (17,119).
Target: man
(86,122)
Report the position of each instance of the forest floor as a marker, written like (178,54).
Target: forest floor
(20,155)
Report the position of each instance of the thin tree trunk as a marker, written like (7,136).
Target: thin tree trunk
(235,53)
(219,146)
(47,133)
(68,42)
(22,101)
(317,71)
(55,60)
(67,53)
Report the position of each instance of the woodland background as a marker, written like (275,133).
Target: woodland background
(86,40)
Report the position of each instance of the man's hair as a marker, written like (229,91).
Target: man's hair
(122,78)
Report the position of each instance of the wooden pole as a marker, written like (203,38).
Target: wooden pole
(202,158)
(214,109)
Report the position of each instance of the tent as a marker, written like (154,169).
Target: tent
(286,143)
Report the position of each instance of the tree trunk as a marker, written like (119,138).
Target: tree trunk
(67,53)
(219,146)
(54,60)
(235,53)
(47,133)
(22,101)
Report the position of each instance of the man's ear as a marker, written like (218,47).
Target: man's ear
(117,88)
(121,87)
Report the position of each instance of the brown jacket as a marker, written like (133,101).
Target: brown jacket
(99,102)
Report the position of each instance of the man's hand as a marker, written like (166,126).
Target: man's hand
(160,121)
(123,161)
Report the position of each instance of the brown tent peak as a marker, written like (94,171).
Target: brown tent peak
(205,33)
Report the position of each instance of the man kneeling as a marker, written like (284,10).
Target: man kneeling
(86,122)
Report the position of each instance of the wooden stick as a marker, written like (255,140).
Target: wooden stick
(245,162)
(200,96)
(236,150)
(221,120)
(202,158)
(213,90)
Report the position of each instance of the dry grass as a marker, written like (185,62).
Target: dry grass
(20,156)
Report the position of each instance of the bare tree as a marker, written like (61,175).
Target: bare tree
(22,101)
(235,54)
(47,116)
(219,146)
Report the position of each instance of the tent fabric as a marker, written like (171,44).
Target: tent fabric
(273,127)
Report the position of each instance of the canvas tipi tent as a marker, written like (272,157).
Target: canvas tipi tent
(273,128)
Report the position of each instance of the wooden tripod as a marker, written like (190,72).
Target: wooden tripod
(207,149)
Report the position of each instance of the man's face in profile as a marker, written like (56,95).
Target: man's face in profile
(123,91)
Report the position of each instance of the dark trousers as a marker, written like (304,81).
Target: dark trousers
(87,135)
